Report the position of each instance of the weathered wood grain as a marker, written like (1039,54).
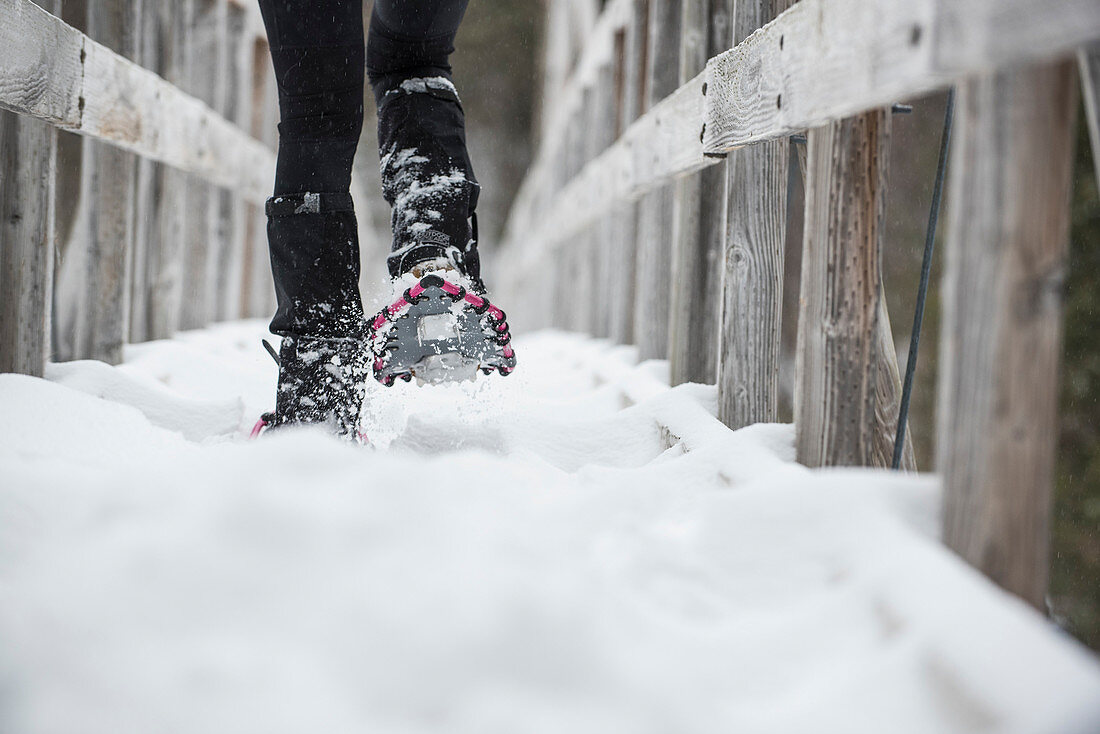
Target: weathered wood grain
(1089,60)
(838,338)
(41,73)
(752,290)
(827,59)
(753,260)
(888,398)
(700,220)
(1011,167)
(70,225)
(51,71)
(28,155)
(110,190)
(28,202)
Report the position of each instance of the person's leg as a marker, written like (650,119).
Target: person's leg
(318,55)
(317,51)
(426,173)
(440,327)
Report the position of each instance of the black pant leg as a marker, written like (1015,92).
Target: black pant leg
(427,176)
(318,54)
(410,39)
(317,51)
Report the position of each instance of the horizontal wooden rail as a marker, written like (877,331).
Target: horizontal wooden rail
(827,59)
(662,144)
(818,61)
(55,73)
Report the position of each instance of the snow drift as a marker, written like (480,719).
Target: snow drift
(577,548)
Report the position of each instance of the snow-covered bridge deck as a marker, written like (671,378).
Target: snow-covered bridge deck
(578,548)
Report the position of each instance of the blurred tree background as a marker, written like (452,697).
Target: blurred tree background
(497,65)
(1075,583)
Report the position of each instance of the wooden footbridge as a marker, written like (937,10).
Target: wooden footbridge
(654,214)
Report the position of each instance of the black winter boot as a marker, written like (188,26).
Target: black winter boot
(322,363)
(321,381)
(426,176)
(314,243)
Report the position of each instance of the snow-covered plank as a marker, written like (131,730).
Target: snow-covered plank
(51,71)
(827,59)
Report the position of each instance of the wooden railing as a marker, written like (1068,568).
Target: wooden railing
(152,220)
(655,214)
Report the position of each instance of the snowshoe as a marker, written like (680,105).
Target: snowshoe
(440,330)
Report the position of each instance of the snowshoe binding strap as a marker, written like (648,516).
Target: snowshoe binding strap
(266,421)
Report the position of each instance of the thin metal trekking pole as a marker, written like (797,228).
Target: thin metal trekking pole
(925,274)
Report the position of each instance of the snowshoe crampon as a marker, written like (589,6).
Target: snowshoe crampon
(440,332)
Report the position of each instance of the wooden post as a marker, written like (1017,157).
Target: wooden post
(111,183)
(602,255)
(1089,59)
(569,252)
(655,209)
(583,247)
(146,225)
(201,219)
(166,261)
(28,162)
(1011,169)
(700,220)
(753,257)
(838,340)
(256,277)
(70,227)
(631,48)
(235,55)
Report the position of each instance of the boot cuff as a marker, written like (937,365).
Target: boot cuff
(288,205)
